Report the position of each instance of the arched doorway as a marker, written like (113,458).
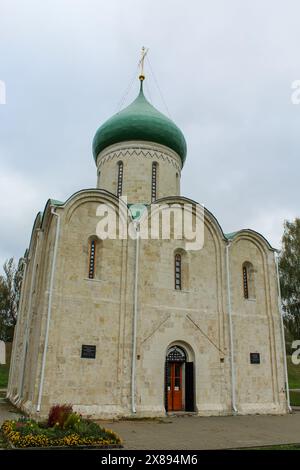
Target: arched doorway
(179,380)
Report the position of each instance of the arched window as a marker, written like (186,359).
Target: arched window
(92,258)
(248,281)
(120,179)
(154,181)
(176,354)
(178,274)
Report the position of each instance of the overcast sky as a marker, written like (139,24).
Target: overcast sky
(224,68)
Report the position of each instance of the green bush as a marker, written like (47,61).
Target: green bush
(28,433)
(71,421)
(82,427)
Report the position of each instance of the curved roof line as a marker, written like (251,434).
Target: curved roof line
(36,224)
(56,203)
(233,235)
(227,236)
(59,203)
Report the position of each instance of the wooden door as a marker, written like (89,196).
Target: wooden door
(174,386)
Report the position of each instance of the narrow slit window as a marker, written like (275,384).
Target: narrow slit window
(177,182)
(92,259)
(178,272)
(154,181)
(120,179)
(245,282)
(249,281)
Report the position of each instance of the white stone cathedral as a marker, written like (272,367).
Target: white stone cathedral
(144,327)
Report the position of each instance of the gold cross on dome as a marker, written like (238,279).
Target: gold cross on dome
(141,63)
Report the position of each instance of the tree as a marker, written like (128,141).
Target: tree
(289,270)
(10,290)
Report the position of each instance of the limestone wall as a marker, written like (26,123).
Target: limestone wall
(137,158)
(256,328)
(99,312)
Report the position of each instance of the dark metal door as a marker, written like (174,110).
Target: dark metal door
(189,387)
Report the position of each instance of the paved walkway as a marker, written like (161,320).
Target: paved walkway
(195,432)
(7,411)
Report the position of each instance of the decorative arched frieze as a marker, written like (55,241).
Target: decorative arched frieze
(142,151)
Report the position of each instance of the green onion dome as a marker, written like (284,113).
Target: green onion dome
(140,121)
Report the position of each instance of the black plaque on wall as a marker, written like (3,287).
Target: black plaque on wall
(254,358)
(88,351)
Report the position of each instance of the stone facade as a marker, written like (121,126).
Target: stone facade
(62,309)
(137,158)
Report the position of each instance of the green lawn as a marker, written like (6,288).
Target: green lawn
(278,447)
(294,374)
(294,381)
(295,398)
(4,370)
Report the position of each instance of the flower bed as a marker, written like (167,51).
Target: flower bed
(63,428)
